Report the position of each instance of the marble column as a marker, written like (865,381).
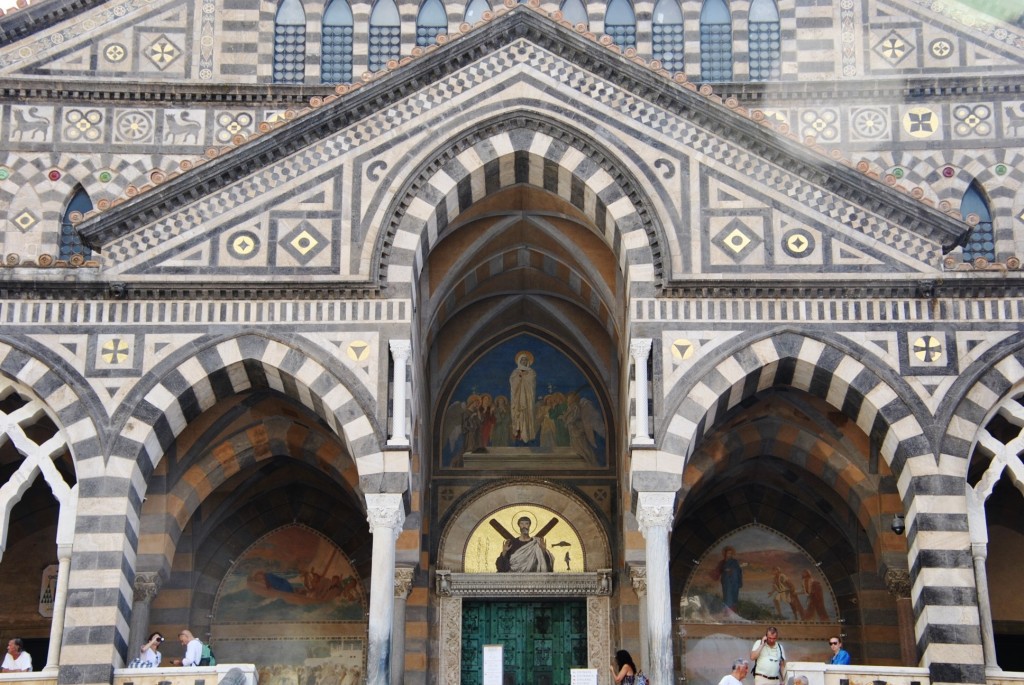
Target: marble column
(979,551)
(385,513)
(401,350)
(897,582)
(403,583)
(60,602)
(638,577)
(654,513)
(147,585)
(640,349)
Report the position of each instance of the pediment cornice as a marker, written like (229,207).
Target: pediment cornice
(521,23)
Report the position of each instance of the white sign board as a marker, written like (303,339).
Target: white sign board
(583,676)
(493,667)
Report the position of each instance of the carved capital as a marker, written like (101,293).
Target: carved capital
(640,349)
(403,581)
(897,582)
(638,578)
(385,510)
(654,510)
(401,350)
(146,587)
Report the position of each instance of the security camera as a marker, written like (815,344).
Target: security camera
(898,524)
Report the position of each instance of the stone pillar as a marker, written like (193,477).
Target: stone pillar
(654,513)
(897,581)
(386,513)
(979,551)
(640,349)
(401,350)
(638,577)
(147,585)
(403,583)
(60,602)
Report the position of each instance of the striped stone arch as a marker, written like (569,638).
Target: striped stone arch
(519,149)
(1001,379)
(941,570)
(221,461)
(226,368)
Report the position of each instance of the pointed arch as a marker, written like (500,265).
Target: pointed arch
(667,34)
(620,23)
(512,150)
(385,34)
(575,12)
(336,43)
(431,22)
(290,42)
(981,240)
(475,10)
(71,246)
(765,36)
(715,41)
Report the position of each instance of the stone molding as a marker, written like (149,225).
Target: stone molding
(496,585)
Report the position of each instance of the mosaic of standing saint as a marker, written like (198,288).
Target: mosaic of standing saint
(523,399)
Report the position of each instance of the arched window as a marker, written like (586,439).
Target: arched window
(765,37)
(620,23)
(70,241)
(290,42)
(475,11)
(982,240)
(385,34)
(715,41)
(431,22)
(668,34)
(336,50)
(575,12)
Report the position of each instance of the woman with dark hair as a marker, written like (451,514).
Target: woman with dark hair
(623,670)
(149,653)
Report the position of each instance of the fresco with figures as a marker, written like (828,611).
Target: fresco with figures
(757,575)
(521,400)
(293,605)
(497,537)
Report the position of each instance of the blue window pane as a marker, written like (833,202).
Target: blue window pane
(289,43)
(70,241)
(765,36)
(668,12)
(336,44)
(981,241)
(575,12)
(290,13)
(475,10)
(667,35)
(385,13)
(763,10)
(620,23)
(431,22)
(715,41)
(385,34)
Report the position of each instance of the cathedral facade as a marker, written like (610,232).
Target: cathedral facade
(376,341)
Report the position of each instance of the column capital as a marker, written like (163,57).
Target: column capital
(638,578)
(146,586)
(979,550)
(655,509)
(897,582)
(640,348)
(403,581)
(385,510)
(401,350)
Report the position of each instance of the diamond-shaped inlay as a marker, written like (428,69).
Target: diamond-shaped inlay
(798,243)
(25,220)
(161,52)
(894,48)
(304,242)
(737,239)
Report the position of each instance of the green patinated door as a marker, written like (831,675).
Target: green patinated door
(542,640)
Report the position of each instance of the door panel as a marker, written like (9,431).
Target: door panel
(541,640)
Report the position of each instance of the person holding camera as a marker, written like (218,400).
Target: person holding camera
(149,653)
(193,649)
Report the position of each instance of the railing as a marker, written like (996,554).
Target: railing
(221,674)
(823,674)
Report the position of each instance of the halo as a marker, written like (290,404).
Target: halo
(524,513)
(526,353)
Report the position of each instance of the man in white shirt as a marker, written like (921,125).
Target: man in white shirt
(193,649)
(769,659)
(740,667)
(17,659)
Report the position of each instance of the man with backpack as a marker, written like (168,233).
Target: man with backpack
(194,649)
